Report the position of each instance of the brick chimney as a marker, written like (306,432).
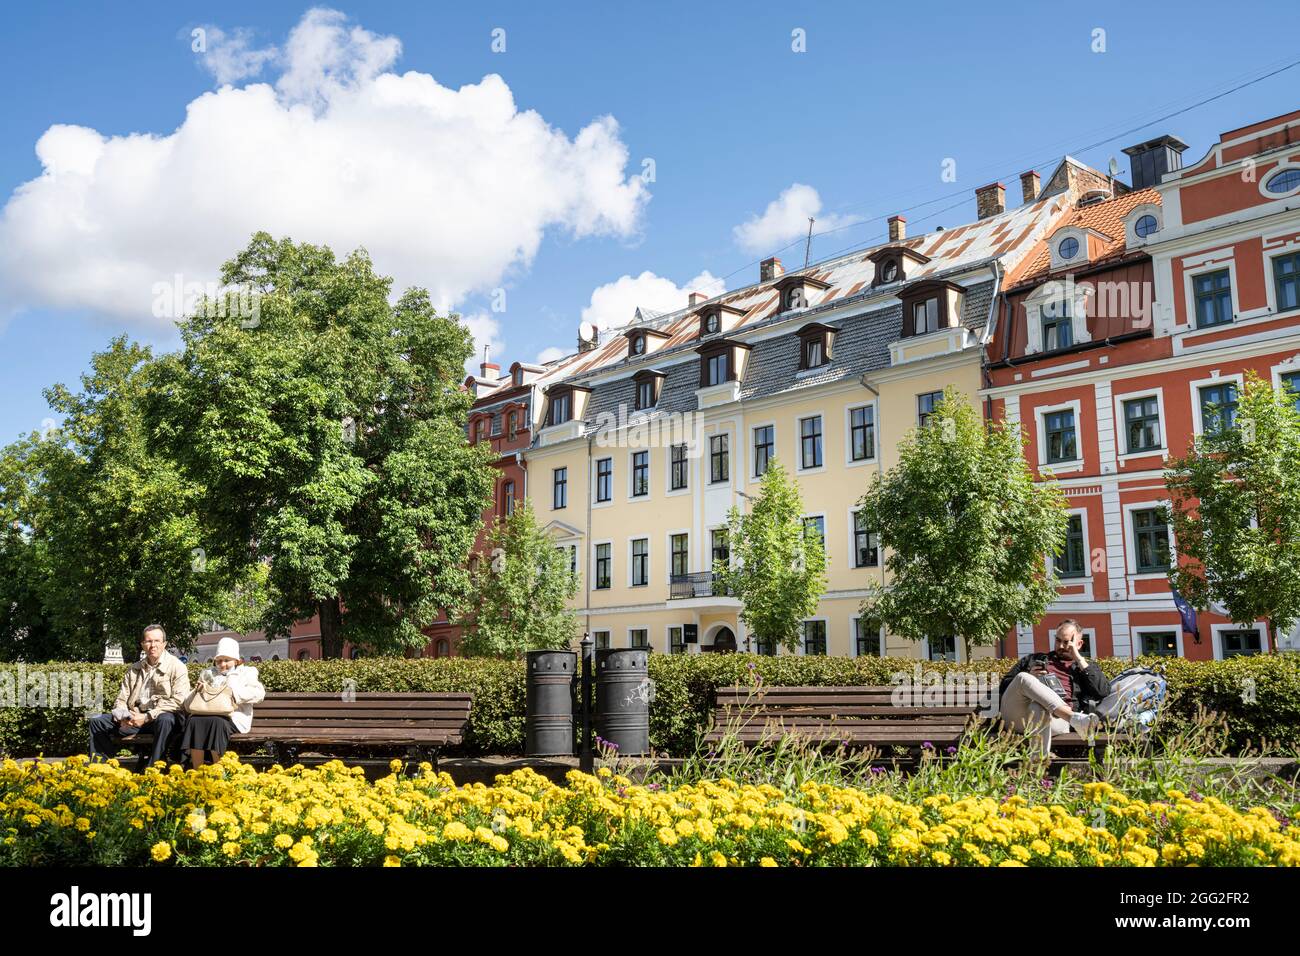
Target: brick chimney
(488,370)
(696,298)
(897,228)
(990,200)
(770,269)
(1029,185)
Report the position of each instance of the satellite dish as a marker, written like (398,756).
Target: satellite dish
(1114,168)
(587,332)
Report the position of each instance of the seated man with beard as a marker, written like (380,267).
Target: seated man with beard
(1049,693)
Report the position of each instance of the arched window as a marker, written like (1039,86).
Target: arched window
(442,648)
(356,653)
(1284,181)
(304,654)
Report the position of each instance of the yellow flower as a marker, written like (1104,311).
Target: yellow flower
(283,841)
(767,861)
(717,859)
(394,765)
(208,835)
(162,850)
(943,859)
(392,861)
(1040,847)
(230,848)
(667,836)
(83,824)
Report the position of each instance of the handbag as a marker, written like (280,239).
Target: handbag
(208,701)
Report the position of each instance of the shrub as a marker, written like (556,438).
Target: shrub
(1258,696)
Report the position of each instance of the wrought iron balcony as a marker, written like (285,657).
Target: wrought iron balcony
(698,585)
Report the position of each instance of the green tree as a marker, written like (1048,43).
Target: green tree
(1235,511)
(966,529)
(520,592)
(778,568)
(104,530)
(327,430)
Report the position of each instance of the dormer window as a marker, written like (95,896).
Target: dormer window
(1056,325)
(644,341)
(925,316)
(561,408)
(1142,223)
(716,369)
(931,306)
(1073,246)
(892,263)
(815,345)
(721,361)
(1068,248)
(715,318)
(647,384)
(796,290)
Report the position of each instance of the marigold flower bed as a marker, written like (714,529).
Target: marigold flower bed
(230,815)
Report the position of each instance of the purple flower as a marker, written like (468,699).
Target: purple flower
(926,745)
(950,750)
(1195,796)
(655,786)
(877,769)
(1047,783)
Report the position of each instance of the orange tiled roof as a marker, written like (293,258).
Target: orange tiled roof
(1106,218)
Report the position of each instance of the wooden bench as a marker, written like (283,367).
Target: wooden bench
(857,717)
(418,724)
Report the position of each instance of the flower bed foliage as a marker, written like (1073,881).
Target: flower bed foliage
(74,813)
(1259,696)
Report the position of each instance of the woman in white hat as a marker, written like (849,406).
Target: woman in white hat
(209,734)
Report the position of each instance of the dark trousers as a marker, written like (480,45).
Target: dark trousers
(106,738)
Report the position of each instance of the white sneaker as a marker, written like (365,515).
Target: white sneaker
(1084,724)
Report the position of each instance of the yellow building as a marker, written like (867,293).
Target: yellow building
(647,438)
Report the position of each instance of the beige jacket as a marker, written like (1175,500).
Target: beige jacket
(163,687)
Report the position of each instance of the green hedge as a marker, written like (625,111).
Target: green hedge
(683,693)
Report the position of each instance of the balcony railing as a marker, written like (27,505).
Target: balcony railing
(697,585)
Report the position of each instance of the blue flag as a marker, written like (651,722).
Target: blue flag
(1188,614)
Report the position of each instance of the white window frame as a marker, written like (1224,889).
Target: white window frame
(629,629)
(1058,290)
(668,640)
(602,630)
(1082,512)
(594,546)
(568,487)
(1279,168)
(1131,238)
(649,474)
(816,617)
(871,459)
(826,531)
(668,552)
(1270,282)
(853,546)
(958,649)
(1225,261)
(1286,367)
(854,623)
(1198,427)
(776,448)
(649,559)
(1216,637)
(1082,257)
(595,462)
(668,470)
(1141,629)
(1061,467)
(708,460)
(1121,424)
(1130,542)
(799,469)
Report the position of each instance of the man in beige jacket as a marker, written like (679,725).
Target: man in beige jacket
(153,690)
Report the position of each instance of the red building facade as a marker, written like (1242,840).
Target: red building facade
(1130,335)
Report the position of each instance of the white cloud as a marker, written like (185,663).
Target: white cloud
(786,219)
(449,189)
(551,353)
(228,56)
(486,331)
(615,303)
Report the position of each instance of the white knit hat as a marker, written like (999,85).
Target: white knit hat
(228,647)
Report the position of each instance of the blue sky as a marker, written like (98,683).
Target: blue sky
(553,207)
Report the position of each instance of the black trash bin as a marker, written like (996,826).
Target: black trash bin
(623,695)
(548,713)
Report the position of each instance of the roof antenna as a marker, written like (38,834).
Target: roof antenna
(807,249)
